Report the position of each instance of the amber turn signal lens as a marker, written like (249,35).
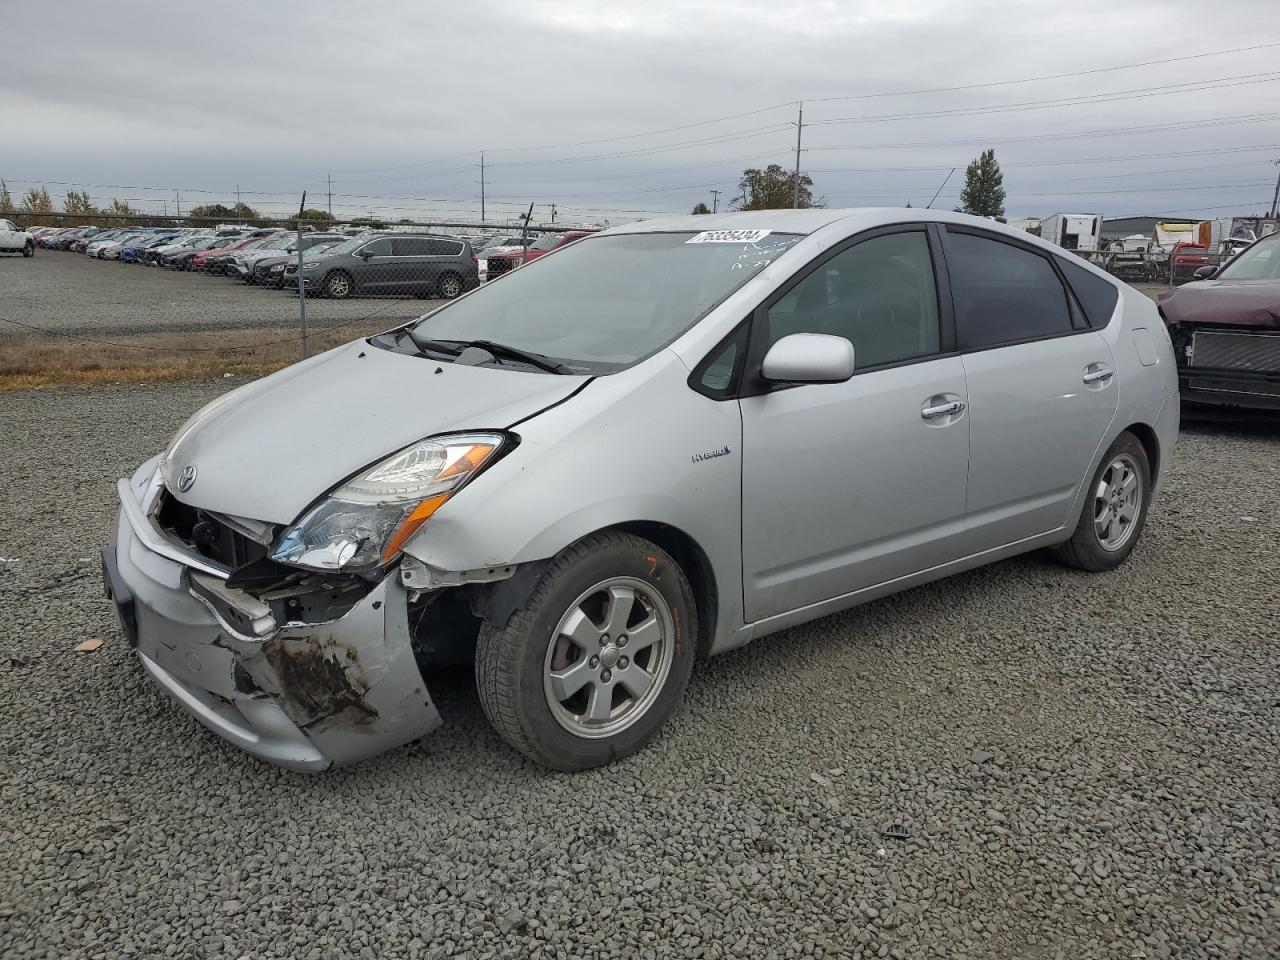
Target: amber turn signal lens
(420,515)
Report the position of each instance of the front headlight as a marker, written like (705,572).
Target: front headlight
(362,524)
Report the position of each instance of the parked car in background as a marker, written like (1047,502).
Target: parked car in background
(133,252)
(14,239)
(669,440)
(269,271)
(224,262)
(219,245)
(498,264)
(180,258)
(1186,258)
(155,255)
(422,264)
(257,266)
(1225,327)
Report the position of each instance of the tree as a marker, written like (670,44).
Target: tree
(78,203)
(37,206)
(983,193)
(312,217)
(121,208)
(773,189)
(701,208)
(220,212)
(7,209)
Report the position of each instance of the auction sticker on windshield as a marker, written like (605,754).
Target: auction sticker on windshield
(729,236)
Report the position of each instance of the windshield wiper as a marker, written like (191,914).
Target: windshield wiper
(539,360)
(454,348)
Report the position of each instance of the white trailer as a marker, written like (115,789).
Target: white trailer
(1081,232)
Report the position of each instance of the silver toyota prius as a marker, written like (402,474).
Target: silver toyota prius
(651,446)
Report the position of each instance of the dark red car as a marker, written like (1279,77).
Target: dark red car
(501,263)
(200,260)
(1225,328)
(1187,258)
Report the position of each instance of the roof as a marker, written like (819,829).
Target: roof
(807,220)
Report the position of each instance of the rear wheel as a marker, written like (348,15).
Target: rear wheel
(1115,509)
(449,286)
(593,664)
(337,285)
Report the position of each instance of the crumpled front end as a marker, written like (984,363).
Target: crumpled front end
(323,676)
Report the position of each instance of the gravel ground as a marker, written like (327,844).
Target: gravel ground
(71,293)
(1081,766)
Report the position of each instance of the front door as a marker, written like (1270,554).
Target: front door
(848,485)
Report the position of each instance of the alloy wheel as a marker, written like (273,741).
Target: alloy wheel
(1117,502)
(609,657)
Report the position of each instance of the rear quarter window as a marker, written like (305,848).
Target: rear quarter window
(1097,296)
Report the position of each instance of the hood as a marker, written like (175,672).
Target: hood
(1226,303)
(269,449)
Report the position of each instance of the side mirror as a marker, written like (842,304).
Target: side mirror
(365,254)
(1206,272)
(809,358)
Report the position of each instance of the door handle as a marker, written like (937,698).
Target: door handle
(1099,376)
(942,410)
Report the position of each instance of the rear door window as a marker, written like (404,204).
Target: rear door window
(378,248)
(1003,293)
(411,247)
(1098,297)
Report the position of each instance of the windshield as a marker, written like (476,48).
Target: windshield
(545,242)
(346,246)
(278,243)
(606,302)
(1260,262)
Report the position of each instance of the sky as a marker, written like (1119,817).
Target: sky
(615,111)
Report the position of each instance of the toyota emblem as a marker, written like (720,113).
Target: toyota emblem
(187,479)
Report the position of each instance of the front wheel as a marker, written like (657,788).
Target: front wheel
(337,285)
(593,664)
(1115,509)
(29,250)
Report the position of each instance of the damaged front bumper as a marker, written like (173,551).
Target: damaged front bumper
(301,695)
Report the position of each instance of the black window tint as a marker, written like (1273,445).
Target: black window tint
(411,247)
(443,248)
(1097,296)
(880,294)
(1003,293)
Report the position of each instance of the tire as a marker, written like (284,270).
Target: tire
(449,286)
(29,250)
(337,285)
(1120,488)
(567,615)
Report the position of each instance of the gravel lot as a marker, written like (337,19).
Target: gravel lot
(1084,766)
(71,293)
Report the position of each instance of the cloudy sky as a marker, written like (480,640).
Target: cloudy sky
(613,110)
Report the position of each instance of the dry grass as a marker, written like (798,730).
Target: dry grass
(43,361)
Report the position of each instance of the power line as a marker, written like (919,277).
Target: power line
(1051,76)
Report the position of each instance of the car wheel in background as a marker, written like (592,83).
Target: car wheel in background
(449,286)
(337,285)
(593,664)
(1115,509)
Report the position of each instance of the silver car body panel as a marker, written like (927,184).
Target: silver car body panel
(802,502)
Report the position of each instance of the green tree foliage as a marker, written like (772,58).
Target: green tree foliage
(702,208)
(772,189)
(7,209)
(120,208)
(319,219)
(221,213)
(78,203)
(983,193)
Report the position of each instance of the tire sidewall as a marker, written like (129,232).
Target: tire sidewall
(329,279)
(447,278)
(643,562)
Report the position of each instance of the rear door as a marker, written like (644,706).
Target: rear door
(1042,387)
(847,485)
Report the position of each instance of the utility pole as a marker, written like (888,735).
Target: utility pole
(482,186)
(302,290)
(328,179)
(1275,199)
(795,195)
(177,198)
(237,198)
(553,213)
(715,201)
